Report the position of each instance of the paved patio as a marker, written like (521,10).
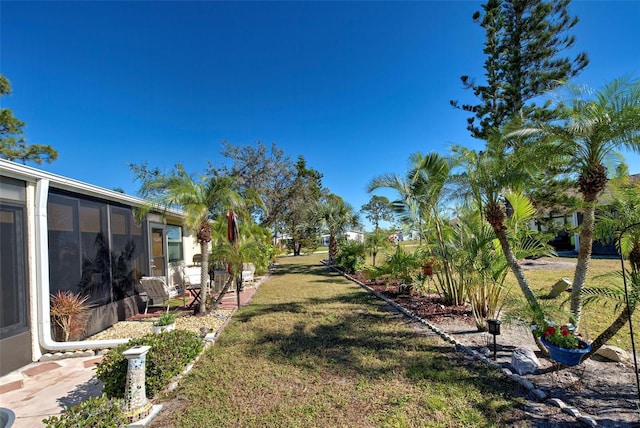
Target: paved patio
(43,389)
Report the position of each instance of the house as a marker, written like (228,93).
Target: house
(348,235)
(565,241)
(59,234)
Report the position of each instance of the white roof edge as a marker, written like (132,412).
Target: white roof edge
(31,174)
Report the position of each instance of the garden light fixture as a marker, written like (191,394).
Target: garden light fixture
(494,330)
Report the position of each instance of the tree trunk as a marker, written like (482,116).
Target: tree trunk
(448,271)
(333,248)
(611,331)
(204,277)
(516,269)
(582,265)
(224,290)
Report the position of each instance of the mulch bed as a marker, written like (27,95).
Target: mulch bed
(429,307)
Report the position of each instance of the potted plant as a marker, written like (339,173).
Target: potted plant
(166,322)
(563,345)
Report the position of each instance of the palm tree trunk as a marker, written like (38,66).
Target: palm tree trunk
(516,268)
(611,331)
(448,272)
(333,248)
(224,290)
(582,266)
(204,277)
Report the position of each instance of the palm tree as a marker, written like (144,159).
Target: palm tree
(487,177)
(251,246)
(483,259)
(622,215)
(201,201)
(337,217)
(593,130)
(421,193)
(375,242)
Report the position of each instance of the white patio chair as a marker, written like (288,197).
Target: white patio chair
(248,270)
(156,288)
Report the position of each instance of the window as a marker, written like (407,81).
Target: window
(174,239)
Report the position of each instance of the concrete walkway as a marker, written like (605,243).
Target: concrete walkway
(40,390)
(43,389)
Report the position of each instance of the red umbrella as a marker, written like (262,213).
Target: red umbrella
(232,227)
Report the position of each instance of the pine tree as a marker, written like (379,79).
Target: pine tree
(524,43)
(13,145)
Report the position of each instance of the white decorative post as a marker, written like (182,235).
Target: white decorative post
(136,404)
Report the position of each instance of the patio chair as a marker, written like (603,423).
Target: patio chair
(192,283)
(248,269)
(156,289)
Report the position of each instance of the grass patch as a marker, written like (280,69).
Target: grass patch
(595,318)
(313,349)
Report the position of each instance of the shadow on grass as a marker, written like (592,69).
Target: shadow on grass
(304,269)
(347,336)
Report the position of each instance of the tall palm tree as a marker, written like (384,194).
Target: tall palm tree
(421,193)
(337,217)
(622,215)
(487,177)
(201,201)
(595,129)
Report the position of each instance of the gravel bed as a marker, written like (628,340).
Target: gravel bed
(138,328)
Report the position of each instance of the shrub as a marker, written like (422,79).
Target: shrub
(350,257)
(69,313)
(166,318)
(169,353)
(98,412)
(400,265)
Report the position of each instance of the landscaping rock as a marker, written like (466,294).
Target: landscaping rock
(613,353)
(559,287)
(524,361)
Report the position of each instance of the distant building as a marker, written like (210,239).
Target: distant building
(349,235)
(565,241)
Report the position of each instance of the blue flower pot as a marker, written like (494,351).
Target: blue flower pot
(567,357)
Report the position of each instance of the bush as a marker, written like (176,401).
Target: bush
(351,256)
(165,319)
(169,353)
(69,312)
(98,412)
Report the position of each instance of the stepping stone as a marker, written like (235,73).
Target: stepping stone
(41,368)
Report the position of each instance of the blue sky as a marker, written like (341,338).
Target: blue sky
(354,87)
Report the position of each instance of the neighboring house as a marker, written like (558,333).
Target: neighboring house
(349,236)
(565,241)
(59,234)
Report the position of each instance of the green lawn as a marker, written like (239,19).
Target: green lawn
(595,317)
(313,349)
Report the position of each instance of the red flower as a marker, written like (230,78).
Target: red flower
(550,331)
(564,331)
